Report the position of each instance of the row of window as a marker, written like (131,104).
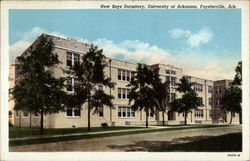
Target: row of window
(25,114)
(125,75)
(170,72)
(217,89)
(198,113)
(217,102)
(172,80)
(125,112)
(123,93)
(71,81)
(76,112)
(198,87)
(72,58)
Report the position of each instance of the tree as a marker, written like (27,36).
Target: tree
(161,95)
(238,75)
(189,98)
(90,79)
(231,101)
(142,92)
(37,90)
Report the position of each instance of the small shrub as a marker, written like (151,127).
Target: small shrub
(104,124)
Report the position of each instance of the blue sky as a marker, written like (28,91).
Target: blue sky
(205,43)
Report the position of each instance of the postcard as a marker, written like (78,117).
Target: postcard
(125,80)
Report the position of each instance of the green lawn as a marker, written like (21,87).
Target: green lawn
(18,132)
(86,136)
(224,143)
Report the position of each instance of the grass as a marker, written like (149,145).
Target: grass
(90,136)
(19,132)
(224,143)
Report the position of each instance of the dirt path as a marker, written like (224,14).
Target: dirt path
(137,142)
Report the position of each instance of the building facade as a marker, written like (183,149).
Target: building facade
(69,51)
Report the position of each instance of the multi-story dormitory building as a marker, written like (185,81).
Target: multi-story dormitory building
(120,72)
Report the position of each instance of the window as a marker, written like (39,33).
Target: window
(216,89)
(69,59)
(172,95)
(72,58)
(69,84)
(150,113)
(173,72)
(119,93)
(198,87)
(119,74)
(210,101)
(217,102)
(198,113)
(219,90)
(123,75)
(100,111)
(128,76)
(119,112)
(76,58)
(125,112)
(25,114)
(73,112)
(172,82)
(210,89)
(123,93)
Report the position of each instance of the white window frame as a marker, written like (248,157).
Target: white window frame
(126,112)
(73,113)
(210,102)
(73,84)
(198,113)
(124,73)
(122,90)
(72,57)
(149,113)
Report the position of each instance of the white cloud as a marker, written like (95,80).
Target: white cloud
(205,66)
(133,50)
(203,36)
(26,39)
(177,33)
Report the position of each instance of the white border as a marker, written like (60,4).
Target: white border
(5,155)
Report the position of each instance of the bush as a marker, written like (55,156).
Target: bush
(104,124)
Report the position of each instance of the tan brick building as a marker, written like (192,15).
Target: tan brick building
(120,72)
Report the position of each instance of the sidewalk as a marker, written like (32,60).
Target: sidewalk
(102,132)
(78,134)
